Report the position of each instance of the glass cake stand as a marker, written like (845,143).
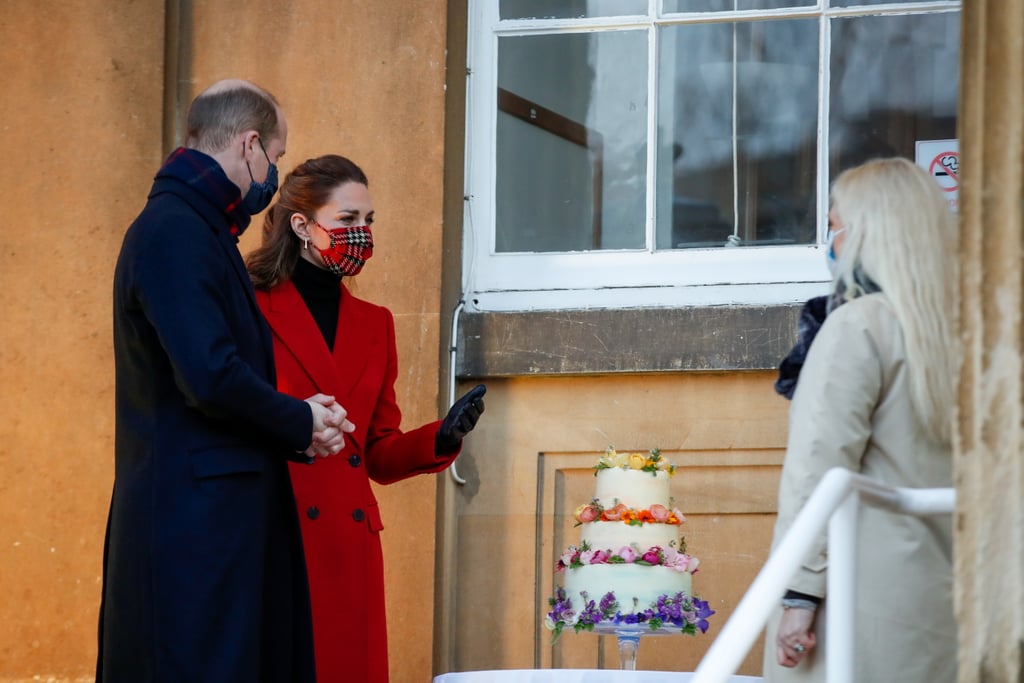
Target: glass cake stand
(629,636)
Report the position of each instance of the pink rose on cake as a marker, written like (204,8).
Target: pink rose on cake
(681,562)
(567,558)
(600,557)
(627,554)
(587,513)
(652,556)
(660,513)
(614,514)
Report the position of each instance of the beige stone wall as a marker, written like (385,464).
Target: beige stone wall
(80,125)
(79,129)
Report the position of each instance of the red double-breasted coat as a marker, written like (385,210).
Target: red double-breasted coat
(338,512)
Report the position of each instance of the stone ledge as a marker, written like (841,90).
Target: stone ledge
(606,341)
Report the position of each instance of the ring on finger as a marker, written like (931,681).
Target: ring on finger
(799,648)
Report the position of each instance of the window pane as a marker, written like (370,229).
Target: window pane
(726,5)
(737,137)
(880,110)
(569,9)
(571,147)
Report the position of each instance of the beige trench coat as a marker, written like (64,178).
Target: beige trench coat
(852,409)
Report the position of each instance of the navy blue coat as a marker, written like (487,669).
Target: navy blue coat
(203,572)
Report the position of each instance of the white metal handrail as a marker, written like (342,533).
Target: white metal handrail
(833,502)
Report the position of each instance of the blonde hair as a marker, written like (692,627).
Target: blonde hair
(901,234)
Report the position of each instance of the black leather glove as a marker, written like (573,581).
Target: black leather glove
(460,420)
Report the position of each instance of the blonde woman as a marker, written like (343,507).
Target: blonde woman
(875,396)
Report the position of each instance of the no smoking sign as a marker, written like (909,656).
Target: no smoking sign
(941,158)
(945,168)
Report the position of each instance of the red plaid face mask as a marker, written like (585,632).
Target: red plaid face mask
(349,250)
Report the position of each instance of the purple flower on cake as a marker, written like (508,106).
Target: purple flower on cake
(671,609)
(703,612)
(561,614)
(687,613)
(589,615)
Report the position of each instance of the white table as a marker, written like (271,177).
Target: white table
(575,676)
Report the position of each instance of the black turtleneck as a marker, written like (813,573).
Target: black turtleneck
(321,290)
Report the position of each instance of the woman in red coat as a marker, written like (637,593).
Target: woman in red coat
(328,341)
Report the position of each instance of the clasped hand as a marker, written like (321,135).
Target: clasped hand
(330,424)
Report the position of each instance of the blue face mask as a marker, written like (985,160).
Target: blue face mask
(259,195)
(830,255)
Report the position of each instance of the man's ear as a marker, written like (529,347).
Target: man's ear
(250,145)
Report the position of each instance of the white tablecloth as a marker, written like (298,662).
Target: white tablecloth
(575,676)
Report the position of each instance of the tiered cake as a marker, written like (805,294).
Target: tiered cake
(631,566)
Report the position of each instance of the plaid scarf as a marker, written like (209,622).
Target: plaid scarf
(205,176)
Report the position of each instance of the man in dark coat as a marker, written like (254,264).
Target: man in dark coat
(203,572)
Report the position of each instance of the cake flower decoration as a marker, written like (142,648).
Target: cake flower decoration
(650,462)
(613,514)
(656,514)
(587,513)
(575,557)
(687,613)
(625,555)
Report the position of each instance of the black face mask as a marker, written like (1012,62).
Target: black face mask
(259,195)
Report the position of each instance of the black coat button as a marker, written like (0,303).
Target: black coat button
(313,512)
(358,515)
(354,460)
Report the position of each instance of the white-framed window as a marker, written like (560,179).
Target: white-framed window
(645,153)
